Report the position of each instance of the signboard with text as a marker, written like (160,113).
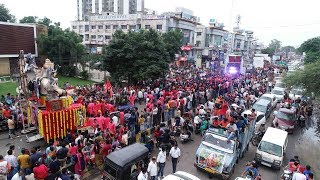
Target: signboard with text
(123,17)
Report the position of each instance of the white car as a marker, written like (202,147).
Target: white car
(295,93)
(180,175)
(278,93)
(280,85)
(270,98)
(261,119)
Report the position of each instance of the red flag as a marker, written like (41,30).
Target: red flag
(107,84)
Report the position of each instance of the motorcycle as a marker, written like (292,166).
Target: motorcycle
(257,138)
(301,120)
(287,175)
(185,137)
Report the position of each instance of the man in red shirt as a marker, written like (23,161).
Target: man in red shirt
(106,149)
(40,171)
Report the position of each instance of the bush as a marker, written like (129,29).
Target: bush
(68,70)
(84,74)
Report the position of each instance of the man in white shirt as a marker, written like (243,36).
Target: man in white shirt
(161,160)
(140,96)
(152,168)
(143,174)
(298,175)
(175,154)
(232,130)
(12,160)
(115,120)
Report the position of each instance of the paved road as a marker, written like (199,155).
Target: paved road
(298,144)
(189,149)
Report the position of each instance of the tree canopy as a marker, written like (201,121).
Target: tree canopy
(308,78)
(5,14)
(272,48)
(173,42)
(64,47)
(138,56)
(312,49)
(28,19)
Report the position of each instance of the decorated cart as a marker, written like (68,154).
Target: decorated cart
(48,108)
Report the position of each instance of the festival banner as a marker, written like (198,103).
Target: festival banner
(211,161)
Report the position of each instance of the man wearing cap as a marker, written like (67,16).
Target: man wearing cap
(175,153)
(152,169)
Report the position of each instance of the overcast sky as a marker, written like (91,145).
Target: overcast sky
(290,21)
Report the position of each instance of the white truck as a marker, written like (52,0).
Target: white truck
(258,62)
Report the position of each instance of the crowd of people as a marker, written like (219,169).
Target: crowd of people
(183,97)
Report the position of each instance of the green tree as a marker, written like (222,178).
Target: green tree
(312,49)
(29,19)
(62,46)
(173,42)
(268,51)
(136,56)
(45,21)
(5,14)
(308,77)
(273,47)
(287,49)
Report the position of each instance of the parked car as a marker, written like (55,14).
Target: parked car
(285,118)
(280,85)
(180,175)
(261,119)
(263,106)
(278,93)
(270,98)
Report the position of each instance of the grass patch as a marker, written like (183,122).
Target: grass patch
(10,87)
(73,81)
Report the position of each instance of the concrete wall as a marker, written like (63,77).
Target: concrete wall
(4,66)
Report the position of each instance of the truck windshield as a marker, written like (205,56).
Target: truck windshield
(221,143)
(270,148)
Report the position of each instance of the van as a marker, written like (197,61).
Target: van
(124,164)
(272,147)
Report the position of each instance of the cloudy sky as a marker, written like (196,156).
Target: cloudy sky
(290,21)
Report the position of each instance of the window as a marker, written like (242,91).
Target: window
(147,26)
(93,27)
(159,26)
(115,26)
(86,37)
(138,26)
(198,43)
(123,26)
(199,33)
(86,28)
(74,27)
(100,27)
(108,27)
(132,27)
(100,36)
(93,36)
(107,37)
(80,27)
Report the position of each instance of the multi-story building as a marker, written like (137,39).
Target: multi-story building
(98,29)
(86,8)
